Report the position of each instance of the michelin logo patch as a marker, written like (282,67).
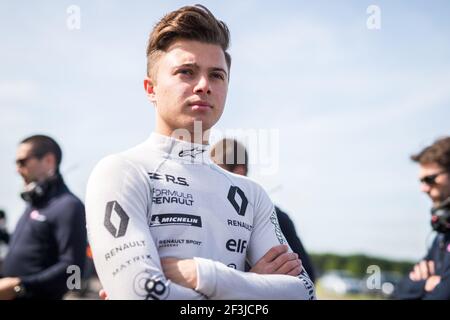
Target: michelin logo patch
(170,219)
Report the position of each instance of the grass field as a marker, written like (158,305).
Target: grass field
(323,294)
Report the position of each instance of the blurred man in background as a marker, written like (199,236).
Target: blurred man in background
(232,156)
(4,237)
(50,236)
(430,278)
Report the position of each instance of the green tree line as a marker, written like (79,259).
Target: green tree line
(357,264)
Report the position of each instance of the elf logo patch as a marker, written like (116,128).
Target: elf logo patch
(236,246)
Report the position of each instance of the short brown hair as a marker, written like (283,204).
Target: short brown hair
(190,23)
(230,153)
(438,152)
(41,145)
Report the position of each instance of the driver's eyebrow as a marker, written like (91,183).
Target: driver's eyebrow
(197,67)
(188,65)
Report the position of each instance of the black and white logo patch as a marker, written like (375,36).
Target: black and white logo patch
(303,276)
(116,219)
(124,265)
(240,224)
(236,246)
(162,196)
(150,287)
(235,194)
(191,152)
(277,229)
(120,248)
(168,219)
(169,243)
(168,178)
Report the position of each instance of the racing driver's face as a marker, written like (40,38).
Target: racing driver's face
(190,84)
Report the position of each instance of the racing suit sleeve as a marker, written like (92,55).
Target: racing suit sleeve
(117,214)
(218,281)
(288,229)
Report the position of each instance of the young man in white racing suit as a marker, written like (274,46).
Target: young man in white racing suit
(164,221)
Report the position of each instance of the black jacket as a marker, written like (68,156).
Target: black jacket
(415,290)
(288,229)
(4,236)
(49,237)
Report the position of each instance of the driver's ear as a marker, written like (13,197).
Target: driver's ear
(50,162)
(149,89)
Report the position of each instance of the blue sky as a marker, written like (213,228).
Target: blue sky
(350,104)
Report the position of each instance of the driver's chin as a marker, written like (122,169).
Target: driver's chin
(25,178)
(437,201)
(28,180)
(197,123)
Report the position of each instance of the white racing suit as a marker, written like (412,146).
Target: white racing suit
(166,198)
